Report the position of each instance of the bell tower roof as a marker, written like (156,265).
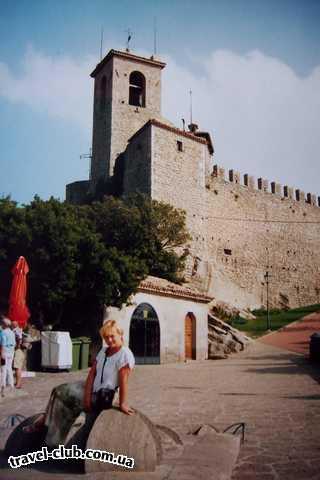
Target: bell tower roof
(127,56)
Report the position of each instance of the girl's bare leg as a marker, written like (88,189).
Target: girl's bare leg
(18,377)
(65,404)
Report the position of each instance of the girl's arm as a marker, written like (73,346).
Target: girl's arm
(89,386)
(123,394)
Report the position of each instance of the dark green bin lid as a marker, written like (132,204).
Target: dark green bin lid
(315,336)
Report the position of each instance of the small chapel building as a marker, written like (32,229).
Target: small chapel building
(164,322)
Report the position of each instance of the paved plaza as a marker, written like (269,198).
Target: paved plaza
(274,391)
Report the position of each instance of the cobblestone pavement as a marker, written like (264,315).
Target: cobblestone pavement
(275,392)
(296,336)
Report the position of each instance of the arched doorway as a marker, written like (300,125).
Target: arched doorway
(190,343)
(144,335)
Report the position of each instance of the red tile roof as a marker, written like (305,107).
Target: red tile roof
(160,286)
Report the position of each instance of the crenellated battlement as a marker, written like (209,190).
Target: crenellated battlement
(263,185)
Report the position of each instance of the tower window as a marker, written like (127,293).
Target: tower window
(137,89)
(227,251)
(179,146)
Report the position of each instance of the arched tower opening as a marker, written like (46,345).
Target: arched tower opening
(137,89)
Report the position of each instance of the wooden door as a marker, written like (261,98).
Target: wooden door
(188,330)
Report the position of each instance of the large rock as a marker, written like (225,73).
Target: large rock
(128,435)
(227,310)
(245,313)
(224,339)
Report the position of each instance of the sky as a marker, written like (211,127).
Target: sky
(253,67)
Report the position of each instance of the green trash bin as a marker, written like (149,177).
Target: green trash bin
(76,348)
(84,354)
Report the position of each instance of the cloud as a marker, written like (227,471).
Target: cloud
(59,86)
(263,117)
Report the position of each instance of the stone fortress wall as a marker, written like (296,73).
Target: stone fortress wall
(251,230)
(154,165)
(239,231)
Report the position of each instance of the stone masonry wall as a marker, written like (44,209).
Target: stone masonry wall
(178,178)
(239,230)
(137,173)
(101,133)
(76,191)
(249,229)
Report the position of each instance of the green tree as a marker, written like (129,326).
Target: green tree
(152,231)
(82,257)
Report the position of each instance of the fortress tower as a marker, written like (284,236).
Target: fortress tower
(127,93)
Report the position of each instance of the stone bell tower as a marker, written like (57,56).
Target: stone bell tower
(127,93)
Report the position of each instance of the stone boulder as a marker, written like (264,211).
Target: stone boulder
(120,434)
(246,314)
(227,310)
(223,339)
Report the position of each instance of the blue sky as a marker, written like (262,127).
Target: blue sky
(253,66)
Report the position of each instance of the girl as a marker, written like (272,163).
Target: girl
(109,372)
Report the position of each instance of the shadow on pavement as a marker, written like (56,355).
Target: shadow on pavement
(298,365)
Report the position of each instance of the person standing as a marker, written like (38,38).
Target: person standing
(17,331)
(8,343)
(19,355)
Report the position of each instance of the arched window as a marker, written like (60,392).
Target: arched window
(137,89)
(103,91)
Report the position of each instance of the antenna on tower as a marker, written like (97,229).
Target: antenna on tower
(87,155)
(190,92)
(101,43)
(155,36)
(129,36)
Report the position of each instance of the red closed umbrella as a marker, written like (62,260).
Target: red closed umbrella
(18,310)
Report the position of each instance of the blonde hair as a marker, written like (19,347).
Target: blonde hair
(110,325)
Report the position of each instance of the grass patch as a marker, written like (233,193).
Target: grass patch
(278,319)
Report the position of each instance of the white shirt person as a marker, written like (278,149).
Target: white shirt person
(109,371)
(108,367)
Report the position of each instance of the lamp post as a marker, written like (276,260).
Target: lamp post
(267,276)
